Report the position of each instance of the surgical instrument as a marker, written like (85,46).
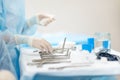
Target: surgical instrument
(39,64)
(51,59)
(58,56)
(63,45)
(70,66)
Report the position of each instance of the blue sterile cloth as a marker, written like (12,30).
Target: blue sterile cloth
(55,38)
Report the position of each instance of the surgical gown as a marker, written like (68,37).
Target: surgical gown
(5,59)
(12,18)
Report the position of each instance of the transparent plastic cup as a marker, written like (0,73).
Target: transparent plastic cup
(102,40)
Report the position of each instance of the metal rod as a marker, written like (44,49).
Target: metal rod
(69,66)
(63,44)
(48,62)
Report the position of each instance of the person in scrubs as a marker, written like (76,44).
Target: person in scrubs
(12,20)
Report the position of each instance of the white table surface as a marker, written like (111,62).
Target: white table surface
(96,68)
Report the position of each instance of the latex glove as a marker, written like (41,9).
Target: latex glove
(39,43)
(44,19)
(40,19)
(8,37)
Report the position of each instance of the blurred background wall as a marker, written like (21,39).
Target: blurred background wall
(80,16)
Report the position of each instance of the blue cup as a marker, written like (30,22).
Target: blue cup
(91,42)
(87,47)
(105,44)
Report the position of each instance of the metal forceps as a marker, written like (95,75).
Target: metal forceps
(58,56)
(55,50)
(51,59)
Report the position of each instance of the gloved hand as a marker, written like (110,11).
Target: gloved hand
(8,37)
(44,19)
(40,19)
(39,43)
